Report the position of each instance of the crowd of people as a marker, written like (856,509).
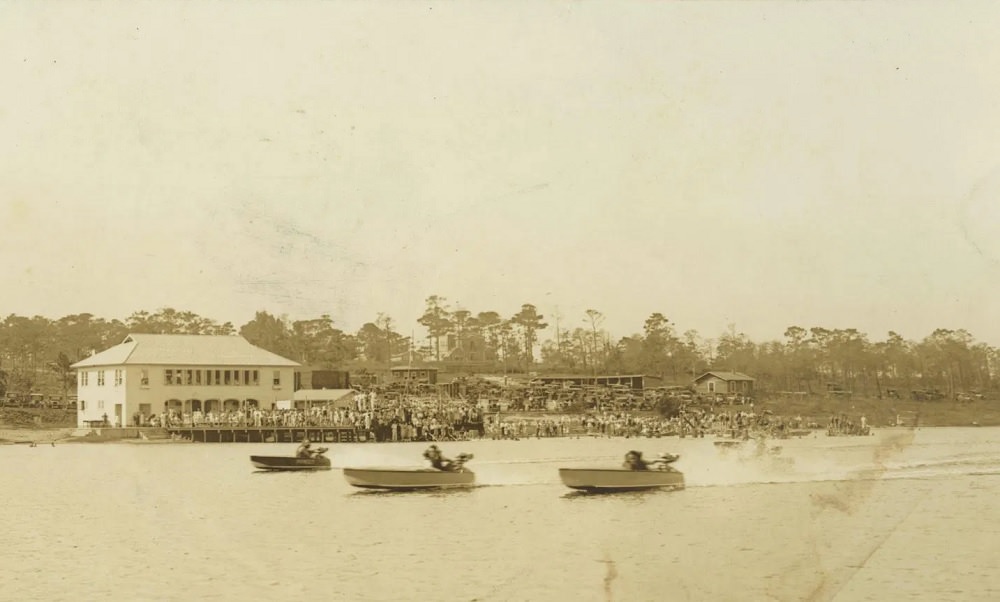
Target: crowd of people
(394,414)
(380,417)
(611,398)
(842,425)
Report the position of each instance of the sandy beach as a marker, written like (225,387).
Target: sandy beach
(28,435)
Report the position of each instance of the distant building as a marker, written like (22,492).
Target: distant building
(636,382)
(322,379)
(364,379)
(724,383)
(148,374)
(407,374)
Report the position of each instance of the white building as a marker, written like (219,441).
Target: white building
(152,373)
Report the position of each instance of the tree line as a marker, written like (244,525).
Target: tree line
(37,352)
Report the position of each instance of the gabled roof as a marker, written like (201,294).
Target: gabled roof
(590,377)
(726,376)
(185,350)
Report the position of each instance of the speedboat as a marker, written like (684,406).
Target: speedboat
(659,475)
(408,478)
(620,479)
(405,479)
(317,461)
(729,442)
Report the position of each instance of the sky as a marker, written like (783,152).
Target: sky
(763,165)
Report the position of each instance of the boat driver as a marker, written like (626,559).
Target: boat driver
(438,461)
(634,461)
(304,450)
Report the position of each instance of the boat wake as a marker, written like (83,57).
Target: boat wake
(902,454)
(843,464)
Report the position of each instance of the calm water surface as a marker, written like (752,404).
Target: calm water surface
(903,515)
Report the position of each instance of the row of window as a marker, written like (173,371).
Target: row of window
(184,376)
(85,378)
(194,404)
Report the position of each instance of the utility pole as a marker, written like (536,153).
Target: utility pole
(558,316)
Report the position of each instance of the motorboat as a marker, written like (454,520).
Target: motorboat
(404,479)
(729,442)
(659,474)
(620,479)
(315,461)
(798,433)
(408,478)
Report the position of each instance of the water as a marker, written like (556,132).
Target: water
(900,515)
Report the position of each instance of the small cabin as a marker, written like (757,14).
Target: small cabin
(411,375)
(724,383)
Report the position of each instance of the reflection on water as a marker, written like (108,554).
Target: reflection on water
(432,493)
(816,519)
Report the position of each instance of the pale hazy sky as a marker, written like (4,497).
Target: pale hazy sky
(833,164)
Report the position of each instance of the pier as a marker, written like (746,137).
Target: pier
(251,434)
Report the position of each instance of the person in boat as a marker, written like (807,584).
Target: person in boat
(305,450)
(437,460)
(634,461)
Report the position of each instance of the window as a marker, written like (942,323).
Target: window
(118,378)
(228,376)
(168,377)
(100,405)
(218,377)
(256,378)
(100,378)
(246,377)
(197,377)
(277,378)
(84,378)
(236,377)
(189,377)
(144,378)
(83,404)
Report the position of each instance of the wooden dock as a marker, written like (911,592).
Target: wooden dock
(257,434)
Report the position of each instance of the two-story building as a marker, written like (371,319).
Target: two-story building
(150,374)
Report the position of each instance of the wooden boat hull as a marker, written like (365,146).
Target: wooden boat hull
(620,479)
(799,433)
(290,463)
(729,442)
(408,478)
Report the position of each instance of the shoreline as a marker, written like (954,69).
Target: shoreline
(48,436)
(881,414)
(21,435)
